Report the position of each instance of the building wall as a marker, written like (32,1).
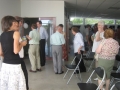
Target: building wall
(9,7)
(43,9)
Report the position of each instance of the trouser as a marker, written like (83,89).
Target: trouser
(34,56)
(86,46)
(81,65)
(42,52)
(57,58)
(23,66)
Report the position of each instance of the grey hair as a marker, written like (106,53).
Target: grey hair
(101,22)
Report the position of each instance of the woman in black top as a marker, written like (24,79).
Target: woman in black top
(12,77)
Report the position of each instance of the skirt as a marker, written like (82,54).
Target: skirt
(107,65)
(12,77)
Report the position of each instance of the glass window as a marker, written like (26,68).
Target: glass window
(76,21)
(118,22)
(109,21)
(94,21)
(91,21)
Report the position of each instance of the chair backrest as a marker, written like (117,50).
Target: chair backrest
(118,70)
(100,72)
(117,85)
(91,55)
(79,56)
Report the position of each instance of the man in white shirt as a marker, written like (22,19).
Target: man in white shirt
(43,36)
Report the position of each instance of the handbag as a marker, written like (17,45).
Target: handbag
(96,56)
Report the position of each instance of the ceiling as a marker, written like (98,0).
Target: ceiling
(92,8)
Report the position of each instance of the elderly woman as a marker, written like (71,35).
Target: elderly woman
(107,51)
(78,48)
(12,77)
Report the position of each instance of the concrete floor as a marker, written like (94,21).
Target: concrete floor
(48,80)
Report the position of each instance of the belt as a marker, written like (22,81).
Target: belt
(33,44)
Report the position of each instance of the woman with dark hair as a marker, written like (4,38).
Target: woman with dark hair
(107,50)
(21,53)
(78,48)
(12,77)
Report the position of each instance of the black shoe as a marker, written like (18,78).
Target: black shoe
(32,71)
(56,73)
(76,72)
(39,70)
(61,72)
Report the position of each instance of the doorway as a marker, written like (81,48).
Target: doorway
(49,23)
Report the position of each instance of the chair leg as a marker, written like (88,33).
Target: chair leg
(91,65)
(80,76)
(65,74)
(70,77)
(111,81)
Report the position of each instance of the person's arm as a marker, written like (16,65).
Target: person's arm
(81,43)
(1,52)
(62,39)
(98,38)
(18,45)
(98,50)
(51,40)
(29,37)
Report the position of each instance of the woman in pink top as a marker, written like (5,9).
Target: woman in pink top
(107,51)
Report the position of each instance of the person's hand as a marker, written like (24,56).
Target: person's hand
(79,51)
(23,43)
(27,36)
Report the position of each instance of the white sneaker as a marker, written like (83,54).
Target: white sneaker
(95,79)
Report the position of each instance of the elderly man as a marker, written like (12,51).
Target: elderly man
(57,40)
(43,36)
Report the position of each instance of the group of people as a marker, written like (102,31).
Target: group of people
(14,74)
(37,39)
(104,46)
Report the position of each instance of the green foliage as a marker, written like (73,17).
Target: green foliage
(91,21)
(118,22)
(77,21)
(94,21)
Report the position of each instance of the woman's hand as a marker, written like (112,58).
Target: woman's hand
(23,43)
(27,36)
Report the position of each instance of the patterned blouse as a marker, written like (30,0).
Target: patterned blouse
(110,49)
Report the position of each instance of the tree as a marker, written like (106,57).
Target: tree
(77,21)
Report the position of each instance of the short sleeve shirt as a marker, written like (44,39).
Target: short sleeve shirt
(110,49)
